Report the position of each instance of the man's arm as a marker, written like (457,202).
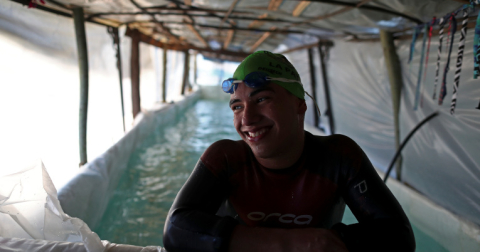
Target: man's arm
(191,224)
(383,226)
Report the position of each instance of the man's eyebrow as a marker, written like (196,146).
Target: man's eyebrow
(233,101)
(261,90)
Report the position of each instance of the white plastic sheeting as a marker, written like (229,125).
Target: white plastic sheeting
(441,160)
(29,208)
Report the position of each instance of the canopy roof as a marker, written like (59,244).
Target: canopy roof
(235,28)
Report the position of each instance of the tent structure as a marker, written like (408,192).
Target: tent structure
(377,69)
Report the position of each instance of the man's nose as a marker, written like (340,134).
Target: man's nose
(250,115)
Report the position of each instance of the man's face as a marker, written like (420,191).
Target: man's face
(269,119)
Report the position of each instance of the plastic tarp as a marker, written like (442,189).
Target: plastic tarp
(441,160)
(31,218)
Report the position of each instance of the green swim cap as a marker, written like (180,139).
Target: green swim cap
(276,66)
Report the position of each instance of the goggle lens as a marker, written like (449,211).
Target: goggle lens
(253,80)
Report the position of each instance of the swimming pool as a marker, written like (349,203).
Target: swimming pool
(160,166)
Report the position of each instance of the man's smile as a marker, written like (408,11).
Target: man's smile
(256,134)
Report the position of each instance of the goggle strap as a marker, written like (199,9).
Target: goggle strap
(319,113)
(284,80)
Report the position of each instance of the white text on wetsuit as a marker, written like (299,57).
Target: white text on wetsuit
(285,218)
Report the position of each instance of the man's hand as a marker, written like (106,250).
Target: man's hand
(253,239)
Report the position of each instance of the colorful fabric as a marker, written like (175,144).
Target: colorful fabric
(461,47)
(437,70)
(476,50)
(443,89)
(420,71)
(276,66)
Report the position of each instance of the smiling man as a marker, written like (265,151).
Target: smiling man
(281,188)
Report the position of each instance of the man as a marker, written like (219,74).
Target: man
(281,188)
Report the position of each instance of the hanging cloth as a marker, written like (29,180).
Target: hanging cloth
(437,70)
(430,31)
(412,45)
(420,71)
(443,89)
(476,50)
(461,47)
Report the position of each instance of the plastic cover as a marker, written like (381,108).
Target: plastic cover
(441,160)
(29,208)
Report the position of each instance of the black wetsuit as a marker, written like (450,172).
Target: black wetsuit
(229,187)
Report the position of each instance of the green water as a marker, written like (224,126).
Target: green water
(157,170)
(160,166)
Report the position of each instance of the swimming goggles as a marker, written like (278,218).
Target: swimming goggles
(252,80)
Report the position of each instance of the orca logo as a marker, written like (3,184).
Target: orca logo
(286,218)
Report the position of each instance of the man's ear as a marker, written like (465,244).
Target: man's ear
(302,106)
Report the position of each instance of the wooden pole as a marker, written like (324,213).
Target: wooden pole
(195,68)
(326,86)
(185,71)
(313,84)
(79,23)
(135,72)
(116,41)
(395,77)
(164,83)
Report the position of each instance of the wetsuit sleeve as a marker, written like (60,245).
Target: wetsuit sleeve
(383,226)
(191,224)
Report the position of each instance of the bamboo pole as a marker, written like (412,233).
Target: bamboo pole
(326,86)
(185,72)
(195,68)
(79,24)
(135,72)
(395,77)
(116,41)
(164,80)
(313,84)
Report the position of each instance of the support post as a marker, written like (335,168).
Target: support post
(164,81)
(116,42)
(135,72)
(195,68)
(322,49)
(313,84)
(79,23)
(395,77)
(185,71)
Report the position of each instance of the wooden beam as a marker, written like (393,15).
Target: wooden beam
(164,79)
(230,10)
(135,72)
(182,47)
(274,4)
(199,37)
(337,12)
(229,39)
(374,8)
(462,1)
(395,78)
(300,8)
(260,41)
(79,24)
(186,69)
(322,42)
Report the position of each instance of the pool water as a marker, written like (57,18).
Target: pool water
(160,166)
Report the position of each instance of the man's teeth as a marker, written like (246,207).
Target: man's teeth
(255,134)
